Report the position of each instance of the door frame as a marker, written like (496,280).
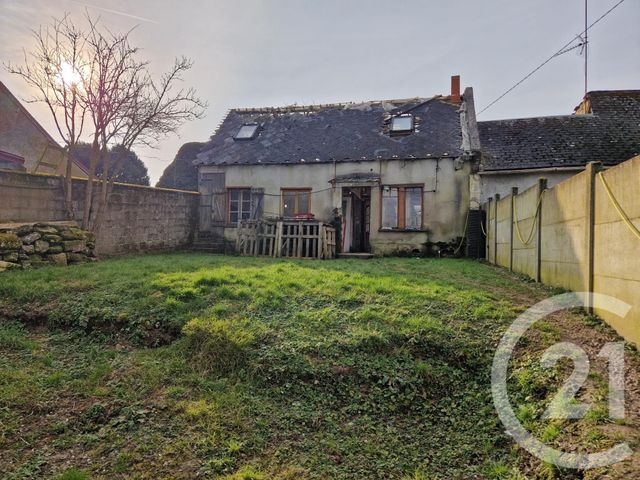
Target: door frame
(356,201)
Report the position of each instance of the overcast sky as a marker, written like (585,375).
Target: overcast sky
(279,52)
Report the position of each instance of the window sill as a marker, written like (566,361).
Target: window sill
(402,230)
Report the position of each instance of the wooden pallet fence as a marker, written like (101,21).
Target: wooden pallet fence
(286,239)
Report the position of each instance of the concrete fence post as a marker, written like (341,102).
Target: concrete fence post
(487,222)
(495,230)
(542,186)
(514,193)
(589,226)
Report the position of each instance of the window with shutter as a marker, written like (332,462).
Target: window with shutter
(239,202)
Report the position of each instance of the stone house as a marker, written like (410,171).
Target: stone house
(25,145)
(393,175)
(605,127)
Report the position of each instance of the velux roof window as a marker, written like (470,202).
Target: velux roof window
(402,124)
(248,131)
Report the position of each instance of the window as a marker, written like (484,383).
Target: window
(389,207)
(239,204)
(296,201)
(413,207)
(401,208)
(247,131)
(402,124)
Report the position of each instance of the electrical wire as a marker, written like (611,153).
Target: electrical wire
(562,50)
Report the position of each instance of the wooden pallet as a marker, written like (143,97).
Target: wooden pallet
(286,239)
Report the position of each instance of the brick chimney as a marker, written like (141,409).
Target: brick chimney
(455,89)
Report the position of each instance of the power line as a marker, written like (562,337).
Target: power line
(562,50)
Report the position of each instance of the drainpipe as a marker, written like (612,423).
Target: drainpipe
(495,230)
(514,193)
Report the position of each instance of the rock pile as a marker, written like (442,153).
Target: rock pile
(36,244)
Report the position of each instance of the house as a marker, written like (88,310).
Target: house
(25,145)
(393,175)
(605,127)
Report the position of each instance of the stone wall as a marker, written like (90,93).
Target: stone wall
(139,219)
(55,243)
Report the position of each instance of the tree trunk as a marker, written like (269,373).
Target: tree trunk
(105,191)
(88,192)
(68,180)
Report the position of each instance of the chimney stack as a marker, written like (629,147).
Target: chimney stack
(455,88)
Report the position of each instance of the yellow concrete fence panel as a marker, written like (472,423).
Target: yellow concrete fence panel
(616,245)
(525,214)
(566,242)
(565,201)
(504,232)
(563,255)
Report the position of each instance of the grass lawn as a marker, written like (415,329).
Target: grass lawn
(196,366)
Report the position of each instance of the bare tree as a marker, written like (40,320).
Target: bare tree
(97,75)
(112,85)
(156,110)
(55,69)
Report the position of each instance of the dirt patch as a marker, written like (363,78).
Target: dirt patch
(596,432)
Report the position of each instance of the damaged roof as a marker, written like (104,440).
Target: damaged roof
(337,132)
(608,132)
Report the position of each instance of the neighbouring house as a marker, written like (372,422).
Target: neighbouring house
(25,145)
(605,127)
(393,175)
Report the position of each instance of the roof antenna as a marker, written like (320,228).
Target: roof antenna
(586,46)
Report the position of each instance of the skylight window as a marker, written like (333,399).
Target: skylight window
(247,131)
(402,124)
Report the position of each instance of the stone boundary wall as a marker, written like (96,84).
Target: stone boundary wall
(139,219)
(54,243)
(580,241)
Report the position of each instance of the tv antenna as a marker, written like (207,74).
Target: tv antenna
(585,44)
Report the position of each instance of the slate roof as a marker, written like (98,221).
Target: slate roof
(610,134)
(338,132)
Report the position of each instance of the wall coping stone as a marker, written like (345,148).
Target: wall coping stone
(97,181)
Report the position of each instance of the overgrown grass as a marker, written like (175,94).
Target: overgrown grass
(261,369)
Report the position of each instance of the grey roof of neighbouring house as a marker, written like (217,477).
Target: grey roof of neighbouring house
(338,132)
(610,134)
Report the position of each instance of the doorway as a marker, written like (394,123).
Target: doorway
(356,210)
